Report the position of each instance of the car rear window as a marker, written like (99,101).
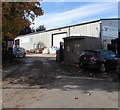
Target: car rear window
(112,54)
(107,53)
(89,53)
(15,49)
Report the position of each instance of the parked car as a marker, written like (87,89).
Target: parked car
(101,60)
(19,52)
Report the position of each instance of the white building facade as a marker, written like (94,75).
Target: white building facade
(105,29)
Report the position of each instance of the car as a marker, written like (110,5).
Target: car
(101,60)
(19,52)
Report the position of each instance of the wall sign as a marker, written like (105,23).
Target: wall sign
(26,40)
(110,31)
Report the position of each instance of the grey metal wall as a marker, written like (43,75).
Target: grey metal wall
(72,49)
(92,43)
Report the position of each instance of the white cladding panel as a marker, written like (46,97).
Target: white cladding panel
(91,29)
(44,39)
(30,41)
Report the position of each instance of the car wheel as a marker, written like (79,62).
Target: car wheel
(115,68)
(102,68)
(16,56)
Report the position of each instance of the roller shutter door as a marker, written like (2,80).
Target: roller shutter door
(57,38)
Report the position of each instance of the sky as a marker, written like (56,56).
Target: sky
(64,13)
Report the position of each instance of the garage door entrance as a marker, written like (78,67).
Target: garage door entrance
(57,38)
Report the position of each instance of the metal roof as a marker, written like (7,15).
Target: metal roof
(74,37)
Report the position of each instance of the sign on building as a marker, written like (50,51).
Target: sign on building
(26,40)
(110,31)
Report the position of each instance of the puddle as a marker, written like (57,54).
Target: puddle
(29,61)
(45,63)
(28,64)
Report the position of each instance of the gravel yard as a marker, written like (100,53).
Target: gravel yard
(39,82)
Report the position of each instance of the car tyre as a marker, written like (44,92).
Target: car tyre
(16,56)
(102,68)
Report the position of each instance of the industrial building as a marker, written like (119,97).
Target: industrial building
(104,29)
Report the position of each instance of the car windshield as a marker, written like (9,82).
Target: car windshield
(15,49)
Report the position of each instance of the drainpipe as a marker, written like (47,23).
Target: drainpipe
(101,43)
(69,31)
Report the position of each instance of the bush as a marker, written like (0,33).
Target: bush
(36,50)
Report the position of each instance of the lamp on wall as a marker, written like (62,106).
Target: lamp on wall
(97,28)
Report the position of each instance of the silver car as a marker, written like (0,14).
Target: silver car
(19,52)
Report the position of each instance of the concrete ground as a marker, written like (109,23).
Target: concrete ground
(41,82)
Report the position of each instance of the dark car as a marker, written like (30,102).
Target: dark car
(19,52)
(101,60)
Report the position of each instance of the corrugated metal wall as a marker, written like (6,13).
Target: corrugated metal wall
(92,29)
(45,38)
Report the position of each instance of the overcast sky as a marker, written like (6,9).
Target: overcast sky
(65,12)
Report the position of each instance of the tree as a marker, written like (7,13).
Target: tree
(26,30)
(16,17)
(41,28)
(32,30)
